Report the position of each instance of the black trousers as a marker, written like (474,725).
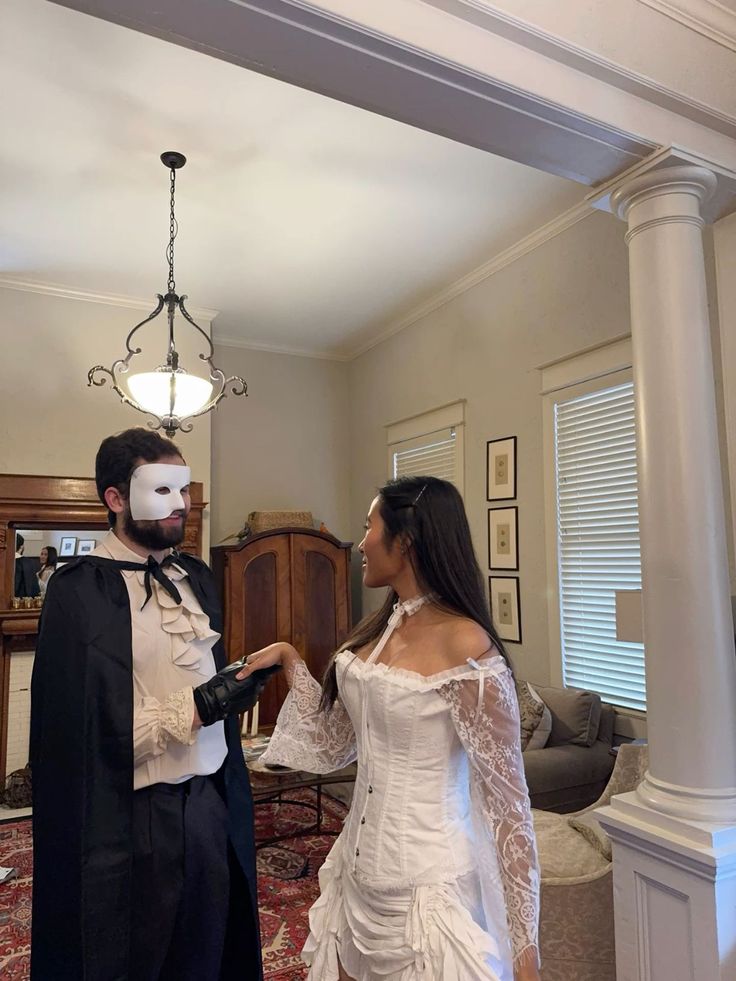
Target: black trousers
(181,882)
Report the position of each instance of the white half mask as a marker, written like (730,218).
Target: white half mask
(155,490)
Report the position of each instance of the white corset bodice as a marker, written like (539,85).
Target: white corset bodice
(410,818)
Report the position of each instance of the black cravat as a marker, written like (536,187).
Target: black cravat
(153,569)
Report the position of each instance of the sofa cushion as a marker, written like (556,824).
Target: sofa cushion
(589,827)
(564,767)
(576,715)
(531,710)
(540,736)
(563,852)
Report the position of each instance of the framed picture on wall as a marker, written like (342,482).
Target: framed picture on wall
(501,469)
(68,546)
(503,538)
(506,607)
(85,546)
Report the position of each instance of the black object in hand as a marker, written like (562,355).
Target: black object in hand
(224,695)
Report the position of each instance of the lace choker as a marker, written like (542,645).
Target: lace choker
(408,607)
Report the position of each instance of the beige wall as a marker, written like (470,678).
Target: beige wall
(50,421)
(286,445)
(485,347)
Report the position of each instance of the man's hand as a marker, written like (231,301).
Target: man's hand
(224,695)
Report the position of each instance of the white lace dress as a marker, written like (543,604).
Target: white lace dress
(434,876)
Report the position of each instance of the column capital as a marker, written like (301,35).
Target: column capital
(705,189)
(669,183)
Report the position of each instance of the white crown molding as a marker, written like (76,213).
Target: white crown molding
(109,299)
(223,340)
(707,17)
(517,251)
(491,18)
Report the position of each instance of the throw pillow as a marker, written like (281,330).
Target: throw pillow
(576,715)
(531,709)
(589,827)
(541,733)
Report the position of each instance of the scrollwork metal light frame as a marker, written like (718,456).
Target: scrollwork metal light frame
(99,374)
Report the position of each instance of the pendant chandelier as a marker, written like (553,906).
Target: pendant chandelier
(169,393)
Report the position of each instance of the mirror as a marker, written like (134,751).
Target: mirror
(64,513)
(39,552)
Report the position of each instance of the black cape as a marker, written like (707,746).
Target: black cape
(82,771)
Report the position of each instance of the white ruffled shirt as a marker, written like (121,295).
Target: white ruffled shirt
(172,653)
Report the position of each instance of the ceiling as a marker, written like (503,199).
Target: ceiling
(310,225)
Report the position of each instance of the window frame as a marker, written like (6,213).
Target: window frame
(592,370)
(442,418)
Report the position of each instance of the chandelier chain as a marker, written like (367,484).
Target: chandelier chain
(173,228)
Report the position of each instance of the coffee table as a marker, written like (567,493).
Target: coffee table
(273,786)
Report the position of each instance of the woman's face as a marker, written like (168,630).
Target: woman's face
(44,556)
(381,563)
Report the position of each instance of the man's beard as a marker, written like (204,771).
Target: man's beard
(153,534)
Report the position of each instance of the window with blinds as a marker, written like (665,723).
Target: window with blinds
(432,455)
(598,541)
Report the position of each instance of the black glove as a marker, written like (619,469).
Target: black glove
(224,695)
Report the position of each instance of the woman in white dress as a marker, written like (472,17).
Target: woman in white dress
(48,559)
(435,875)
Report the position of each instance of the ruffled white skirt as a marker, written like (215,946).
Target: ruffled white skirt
(427,932)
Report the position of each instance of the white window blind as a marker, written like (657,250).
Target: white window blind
(432,455)
(598,541)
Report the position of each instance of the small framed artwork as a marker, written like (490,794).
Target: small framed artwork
(501,469)
(503,538)
(86,546)
(68,546)
(506,607)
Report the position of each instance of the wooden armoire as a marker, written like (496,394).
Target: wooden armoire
(289,584)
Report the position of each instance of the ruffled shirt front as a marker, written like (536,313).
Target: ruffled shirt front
(172,654)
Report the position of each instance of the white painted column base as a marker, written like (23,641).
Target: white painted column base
(674,883)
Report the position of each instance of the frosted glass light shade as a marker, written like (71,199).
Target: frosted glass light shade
(151,390)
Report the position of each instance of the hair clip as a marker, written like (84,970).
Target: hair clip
(416,499)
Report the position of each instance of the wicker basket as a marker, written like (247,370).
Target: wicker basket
(268,520)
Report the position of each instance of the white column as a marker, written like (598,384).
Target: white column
(688,627)
(675,838)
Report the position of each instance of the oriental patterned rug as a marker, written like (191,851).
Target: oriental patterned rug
(287,887)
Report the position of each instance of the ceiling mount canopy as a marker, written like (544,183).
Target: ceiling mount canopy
(169,393)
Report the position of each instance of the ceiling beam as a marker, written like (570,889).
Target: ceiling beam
(317,49)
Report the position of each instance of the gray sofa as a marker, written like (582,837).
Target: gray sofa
(572,770)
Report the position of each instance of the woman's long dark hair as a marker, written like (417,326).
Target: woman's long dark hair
(428,513)
(52,557)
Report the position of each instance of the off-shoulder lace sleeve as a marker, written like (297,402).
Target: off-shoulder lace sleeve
(486,717)
(306,738)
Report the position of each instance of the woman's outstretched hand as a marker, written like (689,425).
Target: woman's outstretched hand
(530,972)
(278,653)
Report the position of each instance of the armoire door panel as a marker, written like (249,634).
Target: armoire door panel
(266,604)
(320,614)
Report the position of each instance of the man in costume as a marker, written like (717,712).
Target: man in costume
(144,858)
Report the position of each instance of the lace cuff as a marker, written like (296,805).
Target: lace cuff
(155,723)
(486,717)
(306,738)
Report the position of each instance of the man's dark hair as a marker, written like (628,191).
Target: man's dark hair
(19,541)
(119,455)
